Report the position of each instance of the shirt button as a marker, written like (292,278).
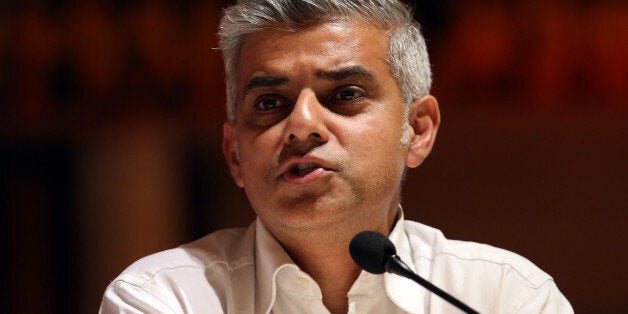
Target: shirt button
(304,284)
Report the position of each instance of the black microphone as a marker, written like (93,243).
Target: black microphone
(374,253)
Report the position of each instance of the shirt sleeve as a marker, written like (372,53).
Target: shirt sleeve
(123,297)
(547,299)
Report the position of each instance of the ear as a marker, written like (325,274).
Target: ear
(424,119)
(230,150)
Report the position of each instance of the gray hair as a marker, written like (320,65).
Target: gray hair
(407,54)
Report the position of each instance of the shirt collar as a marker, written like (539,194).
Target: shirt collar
(404,292)
(271,259)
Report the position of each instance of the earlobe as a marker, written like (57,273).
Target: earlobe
(424,120)
(230,151)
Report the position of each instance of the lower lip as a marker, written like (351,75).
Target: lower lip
(311,177)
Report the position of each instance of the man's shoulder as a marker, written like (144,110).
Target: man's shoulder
(487,278)
(194,276)
(473,256)
(227,248)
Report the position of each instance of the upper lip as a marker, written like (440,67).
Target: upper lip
(289,164)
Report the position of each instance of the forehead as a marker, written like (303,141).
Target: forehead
(320,47)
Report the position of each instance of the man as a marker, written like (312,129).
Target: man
(328,105)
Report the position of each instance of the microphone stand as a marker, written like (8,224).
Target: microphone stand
(396,266)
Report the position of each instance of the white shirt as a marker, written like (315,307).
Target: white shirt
(247,271)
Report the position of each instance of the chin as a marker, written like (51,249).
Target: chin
(313,216)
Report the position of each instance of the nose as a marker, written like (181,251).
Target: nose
(306,122)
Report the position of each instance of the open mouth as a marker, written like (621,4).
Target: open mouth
(305,172)
(304,168)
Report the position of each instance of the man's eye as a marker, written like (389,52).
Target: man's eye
(348,94)
(268,104)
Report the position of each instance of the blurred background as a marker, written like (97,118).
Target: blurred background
(110,132)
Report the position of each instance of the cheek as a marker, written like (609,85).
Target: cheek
(376,150)
(258,144)
(258,157)
(385,149)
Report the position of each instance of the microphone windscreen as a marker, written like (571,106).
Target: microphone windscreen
(371,251)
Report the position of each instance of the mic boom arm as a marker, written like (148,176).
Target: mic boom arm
(396,266)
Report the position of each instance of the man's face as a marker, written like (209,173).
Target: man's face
(318,127)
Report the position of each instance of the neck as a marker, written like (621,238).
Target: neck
(324,255)
(332,267)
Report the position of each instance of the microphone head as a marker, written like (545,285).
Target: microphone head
(371,251)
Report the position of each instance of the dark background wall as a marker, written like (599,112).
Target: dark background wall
(110,130)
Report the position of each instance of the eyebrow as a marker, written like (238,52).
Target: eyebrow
(333,75)
(344,73)
(265,81)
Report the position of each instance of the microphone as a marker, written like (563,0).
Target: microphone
(374,253)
